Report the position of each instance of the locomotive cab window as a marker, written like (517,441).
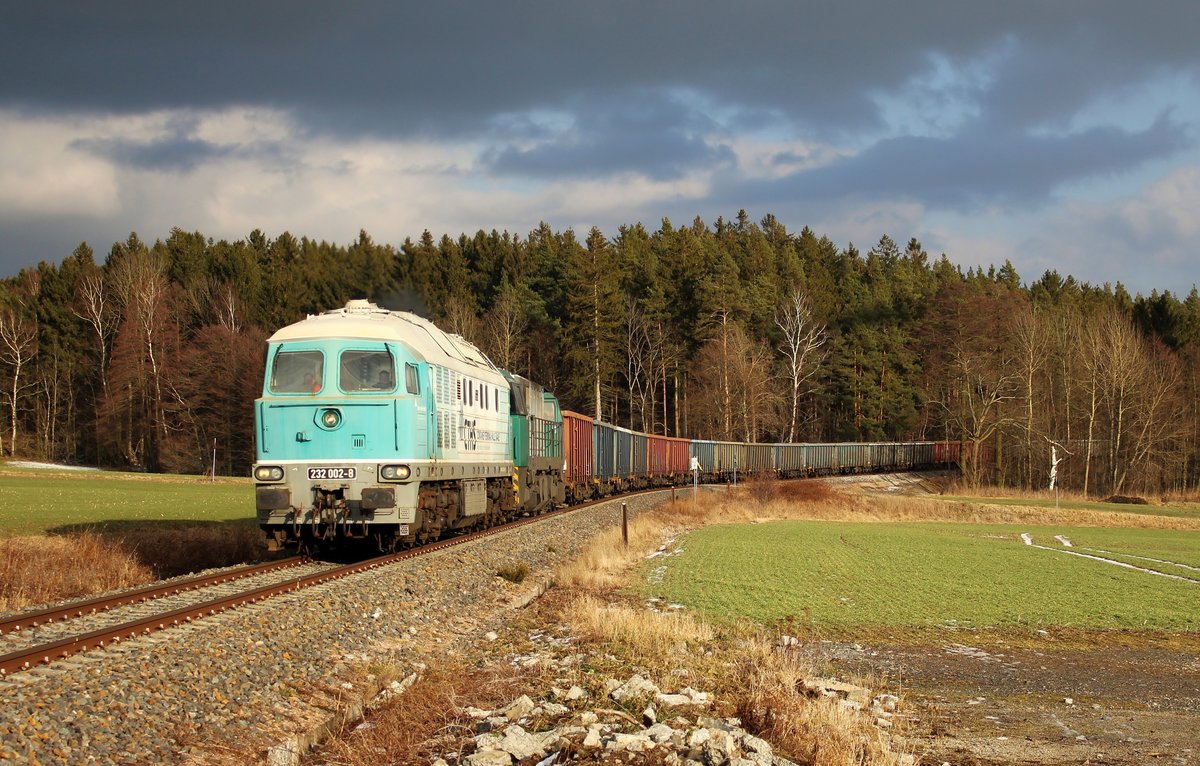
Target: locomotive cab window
(412,383)
(367,371)
(297,372)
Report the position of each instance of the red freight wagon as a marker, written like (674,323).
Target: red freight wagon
(946,452)
(680,461)
(658,454)
(578,452)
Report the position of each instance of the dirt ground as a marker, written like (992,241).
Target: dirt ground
(1057,697)
(1052,700)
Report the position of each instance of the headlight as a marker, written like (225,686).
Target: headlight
(268,473)
(331,419)
(395,472)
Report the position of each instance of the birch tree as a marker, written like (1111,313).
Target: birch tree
(803,340)
(18,345)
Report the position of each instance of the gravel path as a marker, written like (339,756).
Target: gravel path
(226,688)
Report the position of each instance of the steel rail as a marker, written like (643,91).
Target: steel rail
(103,603)
(26,659)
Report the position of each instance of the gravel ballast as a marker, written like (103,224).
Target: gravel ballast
(232,686)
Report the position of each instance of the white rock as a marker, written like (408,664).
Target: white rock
(756,745)
(698,698)
(489,758)
(593,739)
(720,747)
(476,713)
(649,716)
(886,702)
(672,700)
(575,693)
(587,718)
(519,708)
(490,635)
(554,709)
(634,687)
(633,743)
(487,741)
(520,744)
(548,739)
(660,733)
(1069,701)
(287,754)
(698,738)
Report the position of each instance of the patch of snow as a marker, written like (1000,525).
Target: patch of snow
(55,466)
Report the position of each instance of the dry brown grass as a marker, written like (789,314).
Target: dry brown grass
(427,720)
(38,570)
(812,731)
(661,641)
(817,500)
(41,570)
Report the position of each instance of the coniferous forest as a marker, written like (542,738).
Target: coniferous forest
(149,355)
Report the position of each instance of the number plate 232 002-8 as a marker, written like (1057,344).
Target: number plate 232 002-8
(328,474)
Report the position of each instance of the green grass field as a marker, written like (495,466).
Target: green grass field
(841,575)
(36,502)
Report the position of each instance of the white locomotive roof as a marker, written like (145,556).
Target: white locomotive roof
(361,319)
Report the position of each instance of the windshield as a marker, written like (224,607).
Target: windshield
(367,371)
(297,372)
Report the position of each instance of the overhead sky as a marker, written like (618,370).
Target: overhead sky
(1056,134)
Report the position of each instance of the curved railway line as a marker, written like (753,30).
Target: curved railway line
(67,640)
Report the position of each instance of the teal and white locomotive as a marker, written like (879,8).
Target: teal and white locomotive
(377,425)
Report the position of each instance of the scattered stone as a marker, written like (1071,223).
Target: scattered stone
(489,636)
(575,693)
(886,703)
(827,687)
(593,739)
(520,744)
(634,687)
(649,715)
(519,708)
(489,758)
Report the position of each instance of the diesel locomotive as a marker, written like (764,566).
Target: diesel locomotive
(377,425)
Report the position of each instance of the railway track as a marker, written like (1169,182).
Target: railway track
(58,633)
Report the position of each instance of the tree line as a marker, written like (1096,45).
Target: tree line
(736,330)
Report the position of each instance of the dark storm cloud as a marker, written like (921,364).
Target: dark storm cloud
(177,153)
(977,167)
(445,68)
(656,135)
(950,103)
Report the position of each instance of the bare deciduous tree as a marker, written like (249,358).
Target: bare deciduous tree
(803,339)
(18,344)
(1031,346)
(96,307)
(505,326)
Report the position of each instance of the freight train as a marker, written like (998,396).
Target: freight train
(377,425)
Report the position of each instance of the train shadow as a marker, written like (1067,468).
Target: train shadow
(172,548)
